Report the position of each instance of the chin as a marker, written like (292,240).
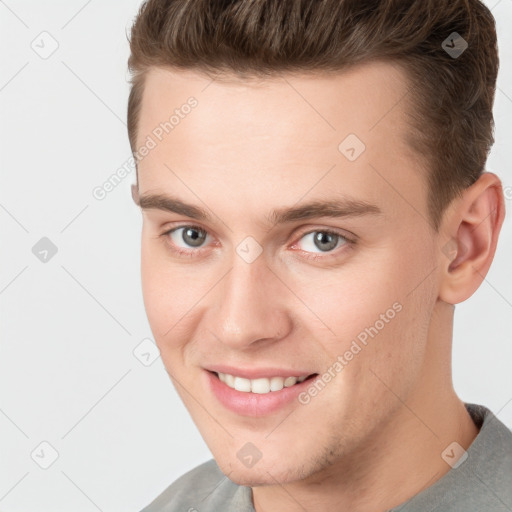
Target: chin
(256,478)
(250,479)
(260,474)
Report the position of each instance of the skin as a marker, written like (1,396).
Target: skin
(373,437)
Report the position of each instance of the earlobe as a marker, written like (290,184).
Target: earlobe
(472,228)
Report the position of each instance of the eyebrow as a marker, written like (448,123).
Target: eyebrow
(336,208)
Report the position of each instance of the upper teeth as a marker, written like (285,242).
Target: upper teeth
(263,385)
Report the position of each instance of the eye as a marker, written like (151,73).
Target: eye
(190,236)
(322,241)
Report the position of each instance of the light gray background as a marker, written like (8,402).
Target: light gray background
(69,327)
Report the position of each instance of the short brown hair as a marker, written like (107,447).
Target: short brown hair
(451,99)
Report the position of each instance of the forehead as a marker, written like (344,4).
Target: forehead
(357,99)
(281,132)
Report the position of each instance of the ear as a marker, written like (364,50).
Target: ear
(469,238)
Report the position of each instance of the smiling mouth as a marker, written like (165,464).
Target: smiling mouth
(261,385)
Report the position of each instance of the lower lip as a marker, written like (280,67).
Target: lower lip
(254,404)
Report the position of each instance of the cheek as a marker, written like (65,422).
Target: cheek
(351,297)
(374,302)
(165,288)
(172,294)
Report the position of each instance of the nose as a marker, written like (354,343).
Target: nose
(251,306)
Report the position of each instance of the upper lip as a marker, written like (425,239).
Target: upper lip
(257,373)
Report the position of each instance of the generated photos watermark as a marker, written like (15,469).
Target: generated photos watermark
(356,347)
(158,133)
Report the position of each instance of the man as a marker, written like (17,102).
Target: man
(311,178)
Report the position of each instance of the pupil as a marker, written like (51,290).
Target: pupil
(193,237)
(325,238)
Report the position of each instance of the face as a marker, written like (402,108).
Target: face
(275,244)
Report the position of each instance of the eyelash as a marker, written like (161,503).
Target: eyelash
(349,242)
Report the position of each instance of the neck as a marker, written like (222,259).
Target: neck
(403,457)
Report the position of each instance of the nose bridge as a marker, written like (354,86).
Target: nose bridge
(249,309)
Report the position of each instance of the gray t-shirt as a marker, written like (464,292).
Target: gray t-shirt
(483,482)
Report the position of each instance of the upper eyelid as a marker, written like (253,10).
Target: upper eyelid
(337,231)
(323,230)
(297,237)
(183,226)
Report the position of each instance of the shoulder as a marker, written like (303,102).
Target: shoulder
(492,456)
(203,488)
(482,481)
